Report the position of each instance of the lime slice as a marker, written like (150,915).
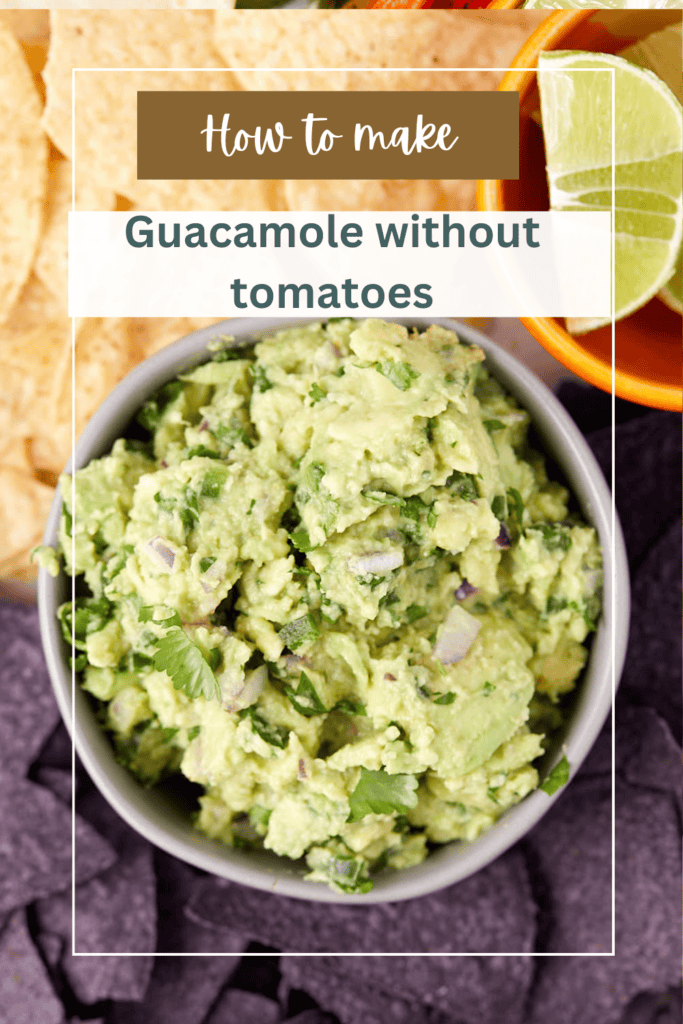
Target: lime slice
(576,111)
(661,52)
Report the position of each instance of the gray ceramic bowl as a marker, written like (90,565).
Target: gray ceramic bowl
(161,818)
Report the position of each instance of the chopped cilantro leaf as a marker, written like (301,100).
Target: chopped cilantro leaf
(212,483)
(87,616)
(68,520)
(349,707)
(431,517)
(228,354)
(165,504)
(516,503)
(259,816)
(488,689)
(300,631)
(146,614)
(186,665)
(444,698)
(261,382)
(555,537)
(377,792)
(498,506)
(305,698)
(401,375)
(492,425)
(203,451)
(233,433)
(273,734)
(316,394)
(206,563)
(558,777)
(168,734)
(153,409)
(383,498)
(463,484)
(414,612)
(193,733)
(301,541)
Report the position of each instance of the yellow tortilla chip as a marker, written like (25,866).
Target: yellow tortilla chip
(32,30)
(370,39)
(106,102)
(23,511)
(23,169)
(51,259)
(35,306)
(106,350)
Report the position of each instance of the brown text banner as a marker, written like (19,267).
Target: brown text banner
(323,135)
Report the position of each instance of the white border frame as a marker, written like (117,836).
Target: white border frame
(610,71)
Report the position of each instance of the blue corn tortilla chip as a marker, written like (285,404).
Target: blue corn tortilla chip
(26,993)
(312,1016)
(28,711)
(648,933)
(56,751)
(483,990)
(654,1008)
(35,844)
(115,912)
(652,673)
(57,780)
(246,1007)
(176,933)
(469,917)
(182,990)
(646,752)
(352,1003)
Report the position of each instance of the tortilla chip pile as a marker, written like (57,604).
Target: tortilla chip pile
(550,893)
(36,61)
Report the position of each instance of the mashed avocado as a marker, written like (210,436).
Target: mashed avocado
(330,583)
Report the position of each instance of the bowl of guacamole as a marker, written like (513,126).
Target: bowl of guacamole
(340,627)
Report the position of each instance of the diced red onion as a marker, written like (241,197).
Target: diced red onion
(377,563)
(302,773)
(503,538)
(460,632)
(465,590)
(162,551)
(204,425)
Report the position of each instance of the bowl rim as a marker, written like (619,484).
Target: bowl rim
(451,862)
(547,330)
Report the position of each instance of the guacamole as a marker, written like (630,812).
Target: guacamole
(326,579)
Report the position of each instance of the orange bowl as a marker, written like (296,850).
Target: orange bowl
(648,358)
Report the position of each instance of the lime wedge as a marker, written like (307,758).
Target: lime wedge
(576,111)
(661,52)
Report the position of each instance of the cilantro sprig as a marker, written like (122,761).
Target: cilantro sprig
(186,664)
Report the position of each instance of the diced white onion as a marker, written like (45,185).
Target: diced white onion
(376,563)
(459,633)
(247,692)
(164,554)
